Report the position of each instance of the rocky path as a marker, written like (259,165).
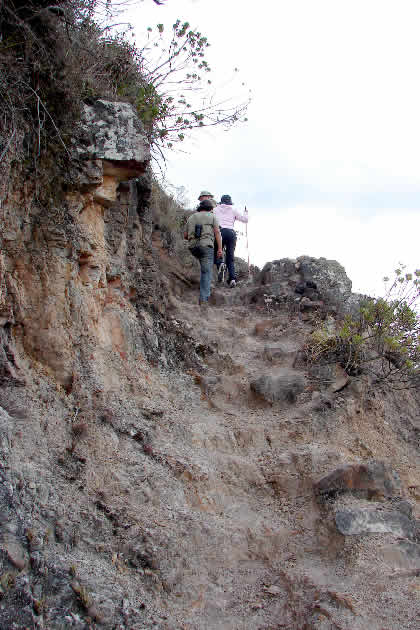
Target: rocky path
(188,501)
(260,525)
(272,559)
(234,436)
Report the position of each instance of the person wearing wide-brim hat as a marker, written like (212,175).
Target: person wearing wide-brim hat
(206,195)
(202,232)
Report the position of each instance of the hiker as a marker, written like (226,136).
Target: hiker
(205,194)
(227,215)
(202,231)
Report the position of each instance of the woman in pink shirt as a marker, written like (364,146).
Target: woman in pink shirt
(226,215)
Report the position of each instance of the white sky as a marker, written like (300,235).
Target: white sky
(328,164)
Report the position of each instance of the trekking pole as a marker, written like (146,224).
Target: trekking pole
(247,246)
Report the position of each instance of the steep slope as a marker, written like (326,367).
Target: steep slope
(161,469)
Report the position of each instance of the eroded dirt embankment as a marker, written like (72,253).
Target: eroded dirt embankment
(183,499)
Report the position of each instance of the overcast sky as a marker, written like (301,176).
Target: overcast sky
(328,164)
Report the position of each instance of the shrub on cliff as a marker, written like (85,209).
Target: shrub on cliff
(168,214)
(382,340)
(176,94)
(35,99)
(55,56)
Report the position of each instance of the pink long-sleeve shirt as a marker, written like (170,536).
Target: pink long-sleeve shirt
(227,215)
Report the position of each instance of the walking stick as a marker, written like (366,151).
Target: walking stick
(247,245)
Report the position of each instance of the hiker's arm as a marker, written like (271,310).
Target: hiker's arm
(242,217)
(218,238)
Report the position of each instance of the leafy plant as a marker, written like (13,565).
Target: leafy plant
(382,340)
(174,91)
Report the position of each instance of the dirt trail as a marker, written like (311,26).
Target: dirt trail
(271,554)
(190,500)
(260,530)
(221,436)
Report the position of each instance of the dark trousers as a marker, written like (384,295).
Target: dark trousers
(228,241)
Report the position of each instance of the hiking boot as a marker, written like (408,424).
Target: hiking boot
(232,283)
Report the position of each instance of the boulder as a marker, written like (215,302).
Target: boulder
(341,379)
(356,521)
(283,352)
(283,385)
(367,480)
(112,132)
(279,270)
(329,276)
(281,276)
(319,282)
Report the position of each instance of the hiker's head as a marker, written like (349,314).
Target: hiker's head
(206,204)
(226,200)
(205,194)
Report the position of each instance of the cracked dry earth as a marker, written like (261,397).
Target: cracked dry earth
(187,502)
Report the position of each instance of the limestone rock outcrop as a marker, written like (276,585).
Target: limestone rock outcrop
(113,132)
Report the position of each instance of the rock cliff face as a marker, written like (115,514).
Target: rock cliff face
(162,470)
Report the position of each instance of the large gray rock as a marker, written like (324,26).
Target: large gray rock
(112,131)
(358,521)
(243,272)
(318,281)
(281,276)
(368,480)
(282,385)
(329,276)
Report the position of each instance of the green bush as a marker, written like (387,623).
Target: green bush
(382,340)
